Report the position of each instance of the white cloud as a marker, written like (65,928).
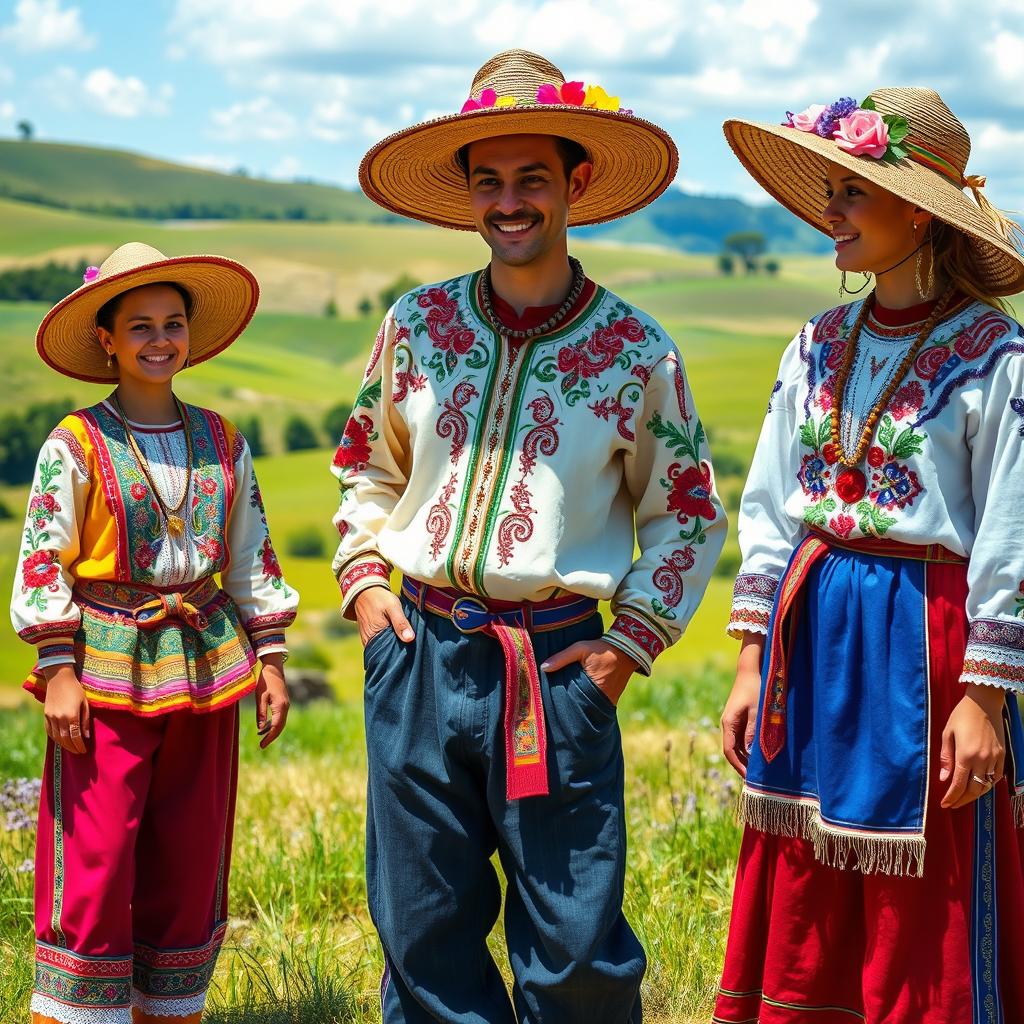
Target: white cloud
(255,119)
(124,97)
(6,111)
(287,168)
(46,25)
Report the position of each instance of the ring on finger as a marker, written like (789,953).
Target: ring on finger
(990,777)
(986,782)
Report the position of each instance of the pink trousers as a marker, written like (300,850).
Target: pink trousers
(132,859)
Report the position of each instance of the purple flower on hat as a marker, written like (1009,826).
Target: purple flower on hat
(828,122)
(91,273)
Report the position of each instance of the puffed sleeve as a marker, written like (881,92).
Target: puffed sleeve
(767,534)
(680,523)
(371,465)
(43,609)
(995,575)
(253,576)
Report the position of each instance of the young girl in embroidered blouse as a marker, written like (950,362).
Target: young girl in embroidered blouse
(137,503)
(879,600)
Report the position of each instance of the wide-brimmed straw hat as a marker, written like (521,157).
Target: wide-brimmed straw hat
(224,296)
(415,173)
(927,167)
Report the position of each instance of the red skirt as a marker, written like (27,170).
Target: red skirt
(815,944)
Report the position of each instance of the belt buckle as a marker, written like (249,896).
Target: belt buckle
(470,615)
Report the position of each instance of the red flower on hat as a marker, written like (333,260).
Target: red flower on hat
(488,98)
(690,494)
(40,569)
(571,94)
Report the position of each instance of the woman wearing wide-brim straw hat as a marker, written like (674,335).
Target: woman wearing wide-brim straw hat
(880,601)
(138,502)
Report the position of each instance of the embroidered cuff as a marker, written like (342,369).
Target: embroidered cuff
(50,632)
(269,641)
(753,596)
(55,652)
(357,576)
(640,638)
(995,654)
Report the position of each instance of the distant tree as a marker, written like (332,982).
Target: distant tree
(241,172)
(335,420)
(747,245)
(394,291)
(306,542)
(49,282)
(365,306)
(771,266)
(331,309)
(298,434)
(26,131)
(252,431)
(22,435)
(726,264)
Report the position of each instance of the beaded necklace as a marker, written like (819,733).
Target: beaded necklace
(175,523)
(843,375)
(579,279)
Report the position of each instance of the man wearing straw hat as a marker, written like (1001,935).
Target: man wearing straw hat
(512,426)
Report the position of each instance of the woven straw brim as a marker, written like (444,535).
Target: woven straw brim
(792,166)
(414,172)
(224,296)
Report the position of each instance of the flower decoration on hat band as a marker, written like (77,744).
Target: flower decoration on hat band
(488,98)
(575,94)
(856,128)
(91,273)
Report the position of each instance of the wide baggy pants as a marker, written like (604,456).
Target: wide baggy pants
(437,811)
(132,860)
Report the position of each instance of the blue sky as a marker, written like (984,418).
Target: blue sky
(303,88)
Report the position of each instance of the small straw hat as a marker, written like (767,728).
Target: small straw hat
(927,169)
(415,173)
(224,296)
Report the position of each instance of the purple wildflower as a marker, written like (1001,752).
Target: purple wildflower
(828,122)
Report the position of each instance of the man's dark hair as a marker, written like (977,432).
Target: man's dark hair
(571,152)
(108,311)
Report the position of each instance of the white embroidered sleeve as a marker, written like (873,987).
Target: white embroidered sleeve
(371,465)
(680,523)
(995,576)
(43,609)
(767,534)
(253,577)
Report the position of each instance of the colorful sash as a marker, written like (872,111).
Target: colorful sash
(511,624)
(842,754)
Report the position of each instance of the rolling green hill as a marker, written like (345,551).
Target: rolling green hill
(114,182)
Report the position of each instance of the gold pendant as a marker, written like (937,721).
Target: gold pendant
(176,525)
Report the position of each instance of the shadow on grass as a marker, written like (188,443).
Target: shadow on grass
(294,989)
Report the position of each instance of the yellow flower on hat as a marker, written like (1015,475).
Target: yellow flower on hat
(505,101)
(597,97)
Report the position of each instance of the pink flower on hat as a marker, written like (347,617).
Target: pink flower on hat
(488,98)
(571,94)
(807,119)
(863,133)
(91,273)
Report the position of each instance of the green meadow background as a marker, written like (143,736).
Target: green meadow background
(300,944)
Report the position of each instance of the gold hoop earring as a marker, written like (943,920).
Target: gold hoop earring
(843,290)
(110,361)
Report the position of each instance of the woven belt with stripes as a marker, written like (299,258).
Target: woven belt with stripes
(511,624)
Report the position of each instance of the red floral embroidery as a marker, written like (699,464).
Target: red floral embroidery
(42,509)
(842,525)
(636,630)
(452,422)
(977,338)
(354,450)
(592,357)
(830,453)
(208,485)
(907,400)
(669,577)
(690,494)
(851,485)
(211,547)
(875,456)
(40,569)
(829,324)
(406,381)
(138,491)
(444,325)
(362,571)
(145,555)
(834,358)
(271,566)
(930,361)
(378,347)
(439,518)
(609,407)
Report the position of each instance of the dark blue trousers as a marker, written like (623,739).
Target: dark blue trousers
(436,813)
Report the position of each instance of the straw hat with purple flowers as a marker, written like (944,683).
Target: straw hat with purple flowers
(223,293)
(415,172)
(905,140)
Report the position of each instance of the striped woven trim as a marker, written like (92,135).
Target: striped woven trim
(933,160)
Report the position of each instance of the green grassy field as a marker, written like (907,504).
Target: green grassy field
(299,929)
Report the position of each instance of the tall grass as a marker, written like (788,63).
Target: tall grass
(300,946)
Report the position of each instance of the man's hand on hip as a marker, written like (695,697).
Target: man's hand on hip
(377,609)
(606,664)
